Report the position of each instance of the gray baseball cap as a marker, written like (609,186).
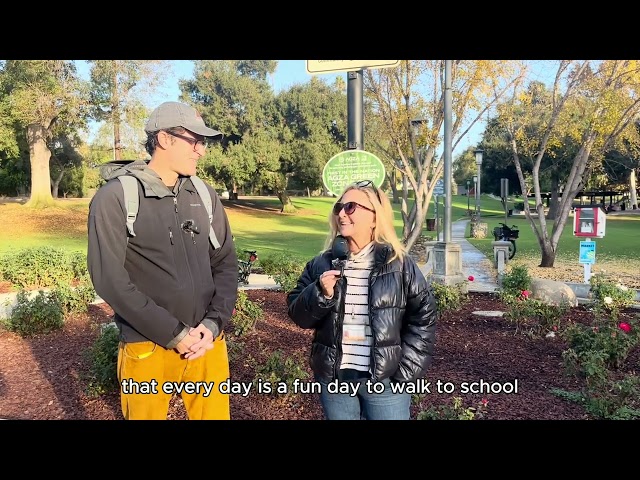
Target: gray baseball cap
(176,114)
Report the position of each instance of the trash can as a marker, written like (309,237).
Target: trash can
(431,224)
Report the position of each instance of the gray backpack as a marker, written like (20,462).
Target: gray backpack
(132,201)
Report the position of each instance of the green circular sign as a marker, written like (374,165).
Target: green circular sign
(352,166)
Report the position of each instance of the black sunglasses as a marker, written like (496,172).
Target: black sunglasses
(349,208)
(191,140)
(368,183)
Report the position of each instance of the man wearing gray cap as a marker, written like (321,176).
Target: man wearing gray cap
(172,290)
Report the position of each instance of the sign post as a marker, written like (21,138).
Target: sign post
(588,221)
(352,166)
(587,257)
(504,194)
(439,188)
(437,199)
(355,91)
(438,191)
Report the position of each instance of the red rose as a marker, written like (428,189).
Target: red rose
(471,278)
(625,327)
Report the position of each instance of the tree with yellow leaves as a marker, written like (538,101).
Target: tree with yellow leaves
(595,105)
(408,103)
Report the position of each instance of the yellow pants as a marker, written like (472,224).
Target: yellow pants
(151,374)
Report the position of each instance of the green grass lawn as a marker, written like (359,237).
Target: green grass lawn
(62,226)
(620,240)
(302,234)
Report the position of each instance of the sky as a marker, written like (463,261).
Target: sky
(288,73)
(291,72)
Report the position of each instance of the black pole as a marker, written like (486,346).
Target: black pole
(355,111)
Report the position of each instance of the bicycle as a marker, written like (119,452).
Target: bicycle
(509,234)
(244,267)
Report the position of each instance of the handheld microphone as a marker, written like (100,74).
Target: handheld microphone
(340,251)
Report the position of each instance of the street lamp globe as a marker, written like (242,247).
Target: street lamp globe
(478,153)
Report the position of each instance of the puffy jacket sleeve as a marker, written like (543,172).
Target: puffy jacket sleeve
(308,307)
(419,325)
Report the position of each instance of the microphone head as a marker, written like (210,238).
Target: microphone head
(340,248)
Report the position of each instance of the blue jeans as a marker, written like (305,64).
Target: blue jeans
(364,405)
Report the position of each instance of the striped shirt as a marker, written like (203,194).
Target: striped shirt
(357,338)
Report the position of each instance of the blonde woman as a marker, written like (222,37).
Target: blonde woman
(374,318)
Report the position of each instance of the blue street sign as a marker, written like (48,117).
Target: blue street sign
(439,188)
(587,252)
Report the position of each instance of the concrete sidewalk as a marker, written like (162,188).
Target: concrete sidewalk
(259,281)
(474,262)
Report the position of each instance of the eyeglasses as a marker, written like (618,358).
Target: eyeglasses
(368,183)
(349,208)
(193,141)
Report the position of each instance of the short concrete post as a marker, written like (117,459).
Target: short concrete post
(447,263)
(501,261)
(501,255)
(429,262)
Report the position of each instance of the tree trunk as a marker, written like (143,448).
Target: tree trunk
(117,145)
(55,184)
(553,201)
(287,204)
(39,155)
(633,198)
(394,190)
(548,256)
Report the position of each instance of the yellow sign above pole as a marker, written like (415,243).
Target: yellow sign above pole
(328,66)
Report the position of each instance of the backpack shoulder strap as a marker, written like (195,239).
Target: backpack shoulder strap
(131,200)
(205,196)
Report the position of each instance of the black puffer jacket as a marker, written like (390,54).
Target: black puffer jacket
(402,315)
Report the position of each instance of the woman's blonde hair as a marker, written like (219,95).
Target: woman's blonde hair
(384,231)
